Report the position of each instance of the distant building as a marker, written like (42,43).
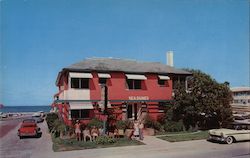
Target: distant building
(241,99)
(134,89)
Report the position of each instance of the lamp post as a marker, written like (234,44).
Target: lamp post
(104,106)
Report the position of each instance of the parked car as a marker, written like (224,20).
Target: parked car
(235,132)
(3,115)
(36,114)
(29,128)
(42,114)
(38,119)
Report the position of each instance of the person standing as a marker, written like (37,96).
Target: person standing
(141,127)
(78,130)
(94,132)
(136,129)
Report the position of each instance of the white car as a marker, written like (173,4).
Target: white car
(237,132)
(42,113)
(36,114)
(3,115)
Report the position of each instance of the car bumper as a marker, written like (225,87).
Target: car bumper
(217,138)
(26,134)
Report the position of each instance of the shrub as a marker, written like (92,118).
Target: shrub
(121,124)
(50,118)
(104,140)
(149,123)
(59,126)
(95,122)
(129,124)
(172,126)
(70,130)
(55,125)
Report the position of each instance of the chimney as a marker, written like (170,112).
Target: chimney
(170,58)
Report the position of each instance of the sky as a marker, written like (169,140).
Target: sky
(40,37)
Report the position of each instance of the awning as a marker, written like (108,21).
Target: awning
(79,106)
(136,77)
(80,75)
(102,75)
(163,77)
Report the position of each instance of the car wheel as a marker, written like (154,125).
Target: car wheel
(229,140)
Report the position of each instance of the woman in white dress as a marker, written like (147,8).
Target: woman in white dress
(136,129)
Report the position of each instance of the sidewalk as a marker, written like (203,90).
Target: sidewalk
(154,141)
(151,144)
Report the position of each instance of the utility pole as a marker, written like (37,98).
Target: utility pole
(104,105)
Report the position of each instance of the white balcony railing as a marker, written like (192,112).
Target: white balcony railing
(75,94)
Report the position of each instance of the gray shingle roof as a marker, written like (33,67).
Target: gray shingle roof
(124,65)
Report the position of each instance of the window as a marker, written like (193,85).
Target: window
(80,83)
(236,101)
(134,84)
(162,82)
(137,84)
(80,113)
(84,83)
(130,84)
(84,113)
(75,83)
(102,80)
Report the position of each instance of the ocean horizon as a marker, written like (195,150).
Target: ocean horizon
(26,108)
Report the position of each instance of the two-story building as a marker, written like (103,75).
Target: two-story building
(134,89)
(241,99)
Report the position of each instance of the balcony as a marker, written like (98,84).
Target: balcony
(75,94)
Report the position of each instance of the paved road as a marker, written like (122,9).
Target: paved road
(10,123)
(13,147)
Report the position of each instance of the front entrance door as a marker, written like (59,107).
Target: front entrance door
(132,110)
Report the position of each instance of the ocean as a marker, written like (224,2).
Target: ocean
(17,109)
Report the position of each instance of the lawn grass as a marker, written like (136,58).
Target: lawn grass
(177,137)
(72,144)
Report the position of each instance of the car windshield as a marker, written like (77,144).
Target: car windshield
(29,120)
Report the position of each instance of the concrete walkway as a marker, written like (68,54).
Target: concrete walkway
(154,141)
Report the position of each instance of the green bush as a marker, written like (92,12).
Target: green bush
(121,124)
(172,126)
(95,122)
(129,124)
(150,123)
(50,118)
(59,126)
(104,140)
(55,125)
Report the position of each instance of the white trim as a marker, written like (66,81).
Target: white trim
(136,77)
(163,77)
(103,75)
(80,75)
(79,106)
